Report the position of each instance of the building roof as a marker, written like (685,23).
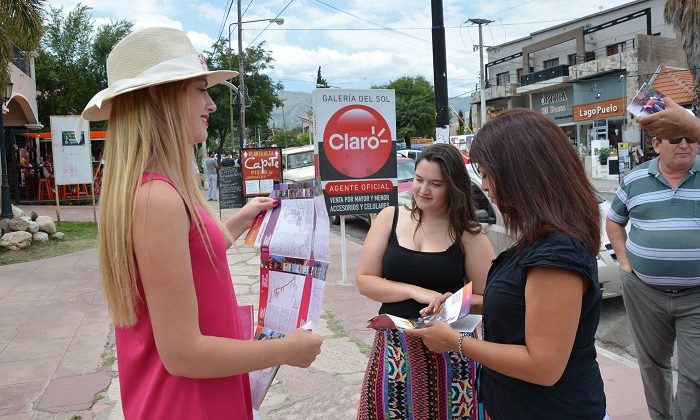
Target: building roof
(674,82)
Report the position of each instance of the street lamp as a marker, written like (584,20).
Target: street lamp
(6,212)
(241,85)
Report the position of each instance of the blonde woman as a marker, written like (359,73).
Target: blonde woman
(162,251)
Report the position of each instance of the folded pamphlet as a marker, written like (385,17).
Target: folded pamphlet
(260,380)
(453,311)
(647,101)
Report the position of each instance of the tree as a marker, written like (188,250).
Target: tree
(20,32)
(460,122)
(320,81)
(684,16)
(470,125)
(71,66)
(261,91)
(415,106)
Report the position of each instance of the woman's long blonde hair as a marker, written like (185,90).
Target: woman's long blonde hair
(147,131)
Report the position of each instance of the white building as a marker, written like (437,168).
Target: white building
(581,73)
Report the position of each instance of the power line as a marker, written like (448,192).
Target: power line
(271,22)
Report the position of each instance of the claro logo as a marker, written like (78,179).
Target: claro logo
(357,141)
(344,141)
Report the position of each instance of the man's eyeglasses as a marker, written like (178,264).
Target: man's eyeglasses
(678,140)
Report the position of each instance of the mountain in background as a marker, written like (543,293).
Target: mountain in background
(297,103)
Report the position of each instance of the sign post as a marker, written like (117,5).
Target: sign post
(72,158)
(355,140)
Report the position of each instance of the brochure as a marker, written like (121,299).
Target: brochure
(452,311)
(646,102)
(260,380)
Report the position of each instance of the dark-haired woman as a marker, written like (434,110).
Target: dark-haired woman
(542,300)
(411,256)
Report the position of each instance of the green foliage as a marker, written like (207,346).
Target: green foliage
(415,106)
(460,123)
(603,154)
(470,126)
(71,66)
(320,81)
(289,138)
(20,27)
(261,94)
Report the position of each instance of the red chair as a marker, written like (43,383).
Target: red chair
(81,191)
(45,192)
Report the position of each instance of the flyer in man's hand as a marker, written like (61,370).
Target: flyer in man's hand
(646,102)
(455,308)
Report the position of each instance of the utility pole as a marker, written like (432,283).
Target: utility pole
(482,85)
(439,66)
(241,86)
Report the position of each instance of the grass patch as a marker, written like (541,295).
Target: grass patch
(338,331)
(108,361)
(78,237)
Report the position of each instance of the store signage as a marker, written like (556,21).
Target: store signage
(355,132)
(599,110)
(261,169)
(553,98)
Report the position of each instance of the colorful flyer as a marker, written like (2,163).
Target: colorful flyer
(454,309)
(646,102)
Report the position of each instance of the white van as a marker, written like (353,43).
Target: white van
(298,164)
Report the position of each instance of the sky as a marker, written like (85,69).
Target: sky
(357,43)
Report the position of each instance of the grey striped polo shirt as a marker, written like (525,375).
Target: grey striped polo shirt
(663,244)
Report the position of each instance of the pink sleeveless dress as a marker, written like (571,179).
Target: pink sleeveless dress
(148,391)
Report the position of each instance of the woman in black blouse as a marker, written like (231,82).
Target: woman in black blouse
(542,299)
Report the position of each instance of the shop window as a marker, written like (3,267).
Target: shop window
(503,79)
(548,64)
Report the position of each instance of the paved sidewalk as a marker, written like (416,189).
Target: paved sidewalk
(56,344)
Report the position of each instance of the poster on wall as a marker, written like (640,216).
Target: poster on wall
(72,158)
(355,135)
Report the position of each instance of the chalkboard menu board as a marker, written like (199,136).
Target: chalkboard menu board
(230,186)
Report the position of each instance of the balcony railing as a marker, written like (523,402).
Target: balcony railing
(21,62)
(546,74)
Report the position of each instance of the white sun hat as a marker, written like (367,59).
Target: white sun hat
(146,58)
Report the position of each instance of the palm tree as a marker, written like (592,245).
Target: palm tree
(20,28)
(684,16)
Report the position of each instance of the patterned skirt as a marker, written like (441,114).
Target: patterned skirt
(405,380)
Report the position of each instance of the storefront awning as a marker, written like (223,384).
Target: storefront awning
(46,135)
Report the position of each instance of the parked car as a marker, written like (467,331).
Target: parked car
(298,164)
(492,222)
(405,171)
(408,153)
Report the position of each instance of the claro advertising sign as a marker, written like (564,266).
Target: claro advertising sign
(355,132)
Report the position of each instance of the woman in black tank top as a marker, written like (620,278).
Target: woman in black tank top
(411,256)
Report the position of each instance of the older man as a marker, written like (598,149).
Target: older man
(660,263)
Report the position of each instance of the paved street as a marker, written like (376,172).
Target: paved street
(57,353)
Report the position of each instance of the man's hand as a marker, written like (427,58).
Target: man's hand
(674,121)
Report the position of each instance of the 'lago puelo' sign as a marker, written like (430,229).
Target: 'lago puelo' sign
(600,110)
